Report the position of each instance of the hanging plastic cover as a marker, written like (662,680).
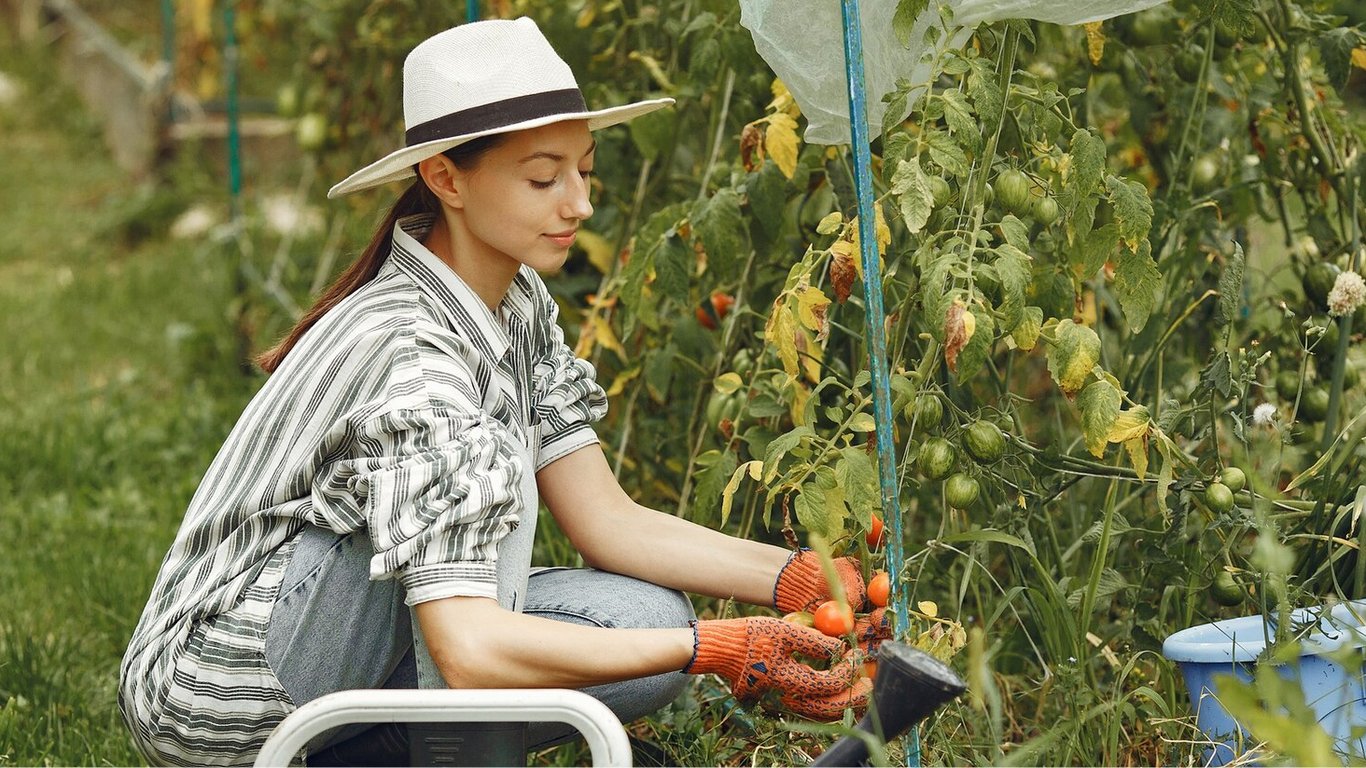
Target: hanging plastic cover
(804,45)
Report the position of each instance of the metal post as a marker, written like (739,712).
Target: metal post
(471,10)
(876,320)
(230,60)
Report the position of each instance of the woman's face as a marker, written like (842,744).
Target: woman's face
(524,198)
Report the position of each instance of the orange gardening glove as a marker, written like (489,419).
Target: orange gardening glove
(872,629)
(830,708)
(801,584)
(755,654)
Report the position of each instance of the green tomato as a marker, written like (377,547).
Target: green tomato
(1314,404)
(984,442)
(1219,498)
(1226,591)
(311,132)
(1154,26)
(1045,210)
(1206,172)
(961,491)
(1288,384)
(1318,281)
(940,190)
(937,458)
(1188,63)
(928,411)
(1012,190)
(1234,478)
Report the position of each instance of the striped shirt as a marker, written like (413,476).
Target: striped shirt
(405,411)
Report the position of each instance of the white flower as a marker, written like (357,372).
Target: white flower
(1264,415)
(1349,292)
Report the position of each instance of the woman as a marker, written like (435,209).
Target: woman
(369,521)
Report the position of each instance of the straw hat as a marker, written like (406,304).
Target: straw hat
(482,78)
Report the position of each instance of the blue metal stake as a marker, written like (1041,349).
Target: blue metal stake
(471,10)
(876,321)
(234,134)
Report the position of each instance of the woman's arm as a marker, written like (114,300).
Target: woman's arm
(613,533)
(478,644)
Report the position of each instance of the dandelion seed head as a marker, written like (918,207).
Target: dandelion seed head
(1349,292)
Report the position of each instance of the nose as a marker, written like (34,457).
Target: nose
(576,204)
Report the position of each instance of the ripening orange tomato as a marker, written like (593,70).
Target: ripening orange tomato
(880,588)
(834,618)
(874,536)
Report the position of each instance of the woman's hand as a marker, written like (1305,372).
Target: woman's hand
(801,584)
(757,656)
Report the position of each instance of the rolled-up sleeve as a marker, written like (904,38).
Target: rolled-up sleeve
(441,493)
(567,398)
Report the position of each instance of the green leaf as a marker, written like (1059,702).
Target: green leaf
(712,480)
(1099,404)
(1335,51)
(1075,351)
(767,192)
(1088,166)
(907,11)
(975,352)
(1230,287)
(958,115)
(1099,247)
(1137,283)
(1133,210)
(858,477)
(778,448)
(718,223)
(1107,585)
(819,508)
(673,268)
(863,422)
(946,153)
(990,535)
(652,133)
(1015,232)
(1217,375)
(985,91)
(1026,332)
(917,201)
(1013,267)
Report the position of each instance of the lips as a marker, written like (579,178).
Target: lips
(563,239)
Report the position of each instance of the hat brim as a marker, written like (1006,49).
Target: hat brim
(398,164)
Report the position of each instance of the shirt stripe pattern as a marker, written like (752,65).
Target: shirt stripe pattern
(402,412)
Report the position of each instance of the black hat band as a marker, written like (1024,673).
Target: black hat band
(497,114)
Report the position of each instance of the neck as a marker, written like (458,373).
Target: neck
(488,273)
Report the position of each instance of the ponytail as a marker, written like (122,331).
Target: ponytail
(417,198)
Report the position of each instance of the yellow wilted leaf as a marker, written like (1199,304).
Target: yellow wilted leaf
(881,230)
(863,422)
(782,99)
(728,494)
(586,16)
(656,71)
(1138,454)
(1131,424)
(810,353)
(928,607)
(622,379)
(797,409)
(846,249)
(781,142)
(811,306)
(1095,41)
(598,250)
(1359,57)
(780,332)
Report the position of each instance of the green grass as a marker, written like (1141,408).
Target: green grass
(114,395)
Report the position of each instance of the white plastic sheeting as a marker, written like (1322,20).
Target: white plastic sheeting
(803,42)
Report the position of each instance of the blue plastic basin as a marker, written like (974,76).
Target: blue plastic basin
(1336,694)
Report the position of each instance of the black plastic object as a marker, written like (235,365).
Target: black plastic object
(910,685)
(466,744)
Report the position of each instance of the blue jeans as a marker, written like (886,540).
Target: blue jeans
(333,629)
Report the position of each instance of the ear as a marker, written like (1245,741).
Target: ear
(442,178)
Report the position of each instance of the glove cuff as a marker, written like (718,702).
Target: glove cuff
(799,582)
(719,647)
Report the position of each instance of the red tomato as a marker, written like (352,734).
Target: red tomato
(874,535)
(879,589)
(870,668)
(834,619)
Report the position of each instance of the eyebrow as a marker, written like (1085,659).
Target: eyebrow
(555,156)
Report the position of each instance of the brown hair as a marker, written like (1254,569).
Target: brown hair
(417,198)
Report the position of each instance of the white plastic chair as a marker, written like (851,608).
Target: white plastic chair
(599,726)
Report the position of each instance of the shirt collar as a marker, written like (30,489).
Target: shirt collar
(469,314)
